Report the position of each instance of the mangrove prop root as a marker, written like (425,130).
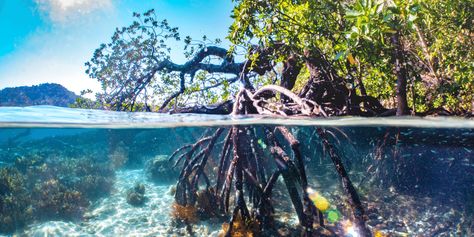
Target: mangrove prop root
(222,160)
(239,153)
(186,190)
(354,200)
(189,153)
(242,165)
(288,170)
(309,209)
(257,152)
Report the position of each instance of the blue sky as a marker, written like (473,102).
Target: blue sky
(50,40)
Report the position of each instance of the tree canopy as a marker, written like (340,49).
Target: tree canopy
(356,38)
(136,71)
(412,55)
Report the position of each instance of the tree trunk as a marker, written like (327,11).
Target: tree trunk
(401,73)
(291,69)
(324,86)
(472,108)
(363,92)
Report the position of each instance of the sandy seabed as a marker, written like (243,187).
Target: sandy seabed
(113,216)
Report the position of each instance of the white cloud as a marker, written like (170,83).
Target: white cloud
(63,11)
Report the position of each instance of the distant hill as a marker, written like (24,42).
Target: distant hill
(43,94)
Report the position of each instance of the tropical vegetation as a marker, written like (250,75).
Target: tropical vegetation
(365,57)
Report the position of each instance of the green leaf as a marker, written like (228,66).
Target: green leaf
(341,55)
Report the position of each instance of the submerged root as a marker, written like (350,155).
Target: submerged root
(205,204)
(243,167)
(203,208)
(241,228)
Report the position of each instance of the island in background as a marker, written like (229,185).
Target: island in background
(42,94)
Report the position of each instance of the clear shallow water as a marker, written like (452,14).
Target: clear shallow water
(69,172)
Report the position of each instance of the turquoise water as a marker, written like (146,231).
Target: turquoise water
(71,172)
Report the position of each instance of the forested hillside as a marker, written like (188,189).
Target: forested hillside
(43,94)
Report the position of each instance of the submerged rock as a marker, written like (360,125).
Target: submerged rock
(136,195)
(160,170)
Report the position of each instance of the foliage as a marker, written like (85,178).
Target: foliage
(136,71)
(448,29)
(86,103)
(130,57)
(355,37)
(298,24)
(438,80)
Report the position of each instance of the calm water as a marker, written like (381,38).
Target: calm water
(69,172)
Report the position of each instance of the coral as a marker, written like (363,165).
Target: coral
(202,209)
(52,200)
(15,209)
(160,170)
(92,179)
(136,195)
(23,163)
(53,179)
(187,214)
(241,229)
(94,186)
(63,187)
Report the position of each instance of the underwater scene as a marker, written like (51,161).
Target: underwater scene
(183,176)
